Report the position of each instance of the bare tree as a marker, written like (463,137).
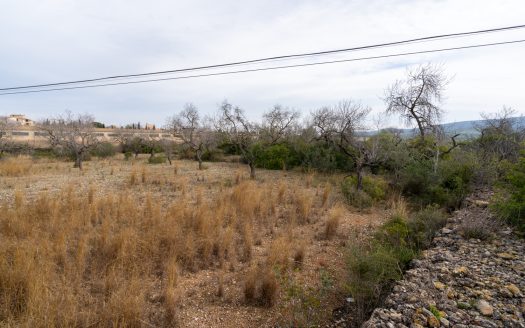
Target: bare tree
(195,132)
(168,147)
(239,131)
(417,98)
(278,123)
(151,141)
(338,125)
(73,134)
(501,134)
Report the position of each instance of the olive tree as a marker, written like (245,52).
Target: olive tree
(417,98)
(338,125)
(71,134)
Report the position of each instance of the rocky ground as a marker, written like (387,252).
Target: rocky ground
(460,281)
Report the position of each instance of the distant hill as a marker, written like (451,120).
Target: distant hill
(465,128)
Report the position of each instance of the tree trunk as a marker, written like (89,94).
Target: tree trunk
(359,173)
(152,153)
(199,158)
(252,170)
(168,157)
(136,154)
(436,160)
(78,161)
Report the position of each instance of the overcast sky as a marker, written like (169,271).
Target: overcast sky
(52,41)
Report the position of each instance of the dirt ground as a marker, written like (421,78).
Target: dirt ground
(214,296)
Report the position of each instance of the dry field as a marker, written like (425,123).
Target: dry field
(128,244)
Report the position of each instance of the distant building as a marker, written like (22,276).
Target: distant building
(19,119)
(149,126)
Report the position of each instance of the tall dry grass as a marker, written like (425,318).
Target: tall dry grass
(89,258)
(15,166)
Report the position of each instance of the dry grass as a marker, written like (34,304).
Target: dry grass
(15,166)
(299,255)
(129,253)
(326,194)
(333,221)
(304,203)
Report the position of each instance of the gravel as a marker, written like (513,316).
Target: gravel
(461,282)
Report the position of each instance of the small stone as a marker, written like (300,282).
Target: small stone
(350,300)
(463,305)
(432,321)
(484,308)
(506,256)
(446,231)
(514,289)
(480,203)
(459,271)
(439,285)
(444,322)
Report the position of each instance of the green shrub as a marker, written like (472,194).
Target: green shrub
(357,198)
(423,225)
(509,204)
(160,159)
(374,189)
(44,153)
(372,269)
(396,235)
(447,186)
(374,186)
(104,150)
(273,157)
(127,155)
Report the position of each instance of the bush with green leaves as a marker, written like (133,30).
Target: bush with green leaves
(273,157)
(104,150)
(423,225)
(375,265)
(509,203)
(159,159)
(446,184)
(373,190)
(371,270)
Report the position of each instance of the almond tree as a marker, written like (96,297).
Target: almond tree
(416,99)
(239,131)
(338,125)
(195,132)
(278,123)
(72,134)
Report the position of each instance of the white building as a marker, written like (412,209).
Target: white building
(20,119)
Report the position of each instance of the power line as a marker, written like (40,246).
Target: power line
(269,68)
(252,61)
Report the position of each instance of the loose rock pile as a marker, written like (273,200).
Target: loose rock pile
(461,282)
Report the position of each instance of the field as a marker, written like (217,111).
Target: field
(126,243)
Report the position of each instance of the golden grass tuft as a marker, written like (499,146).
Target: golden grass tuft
(299,255)
(15,166)
(143,174)
(133,177)
(304,203)
(326,194)
(332,223)
(261,286)
(279,253)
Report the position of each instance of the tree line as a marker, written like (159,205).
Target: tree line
(431,166)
